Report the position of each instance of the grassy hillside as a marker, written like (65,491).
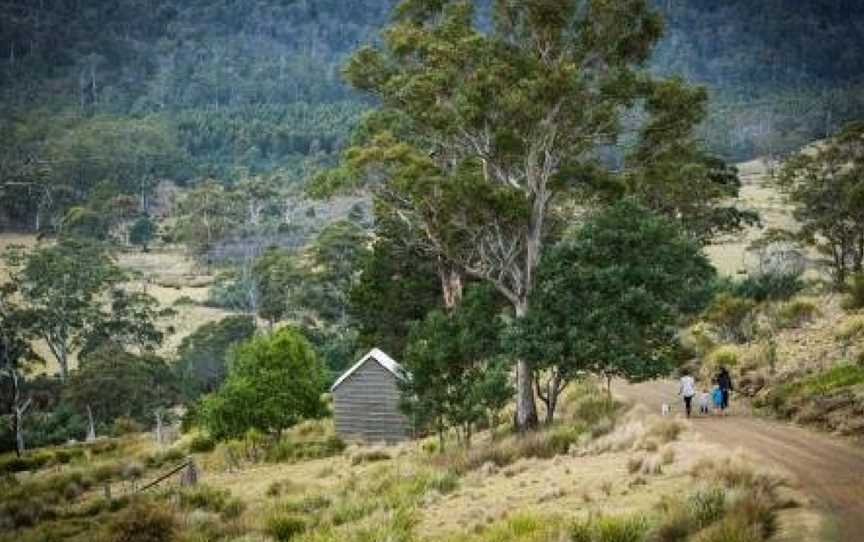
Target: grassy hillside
(592,475)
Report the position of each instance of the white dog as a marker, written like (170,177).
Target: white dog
(665,409)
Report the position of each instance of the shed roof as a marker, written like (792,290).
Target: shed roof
(378,356)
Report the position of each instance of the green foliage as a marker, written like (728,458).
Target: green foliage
(274,382)
(144,521)
(855,297)
(202,356)
(611,529)
(608,298)
(207,214)
(63,288)
(839,377)
(201,444)
(142,232)
(724,356)
(769,286)
(671,173)
(336,255)
(795,313)
(826,187)
(732,316)
(299,449)
(276,278)
(390,274)
(285,527)
(115,383)
(456,378)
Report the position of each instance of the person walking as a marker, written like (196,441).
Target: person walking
(687,390)
(724,382)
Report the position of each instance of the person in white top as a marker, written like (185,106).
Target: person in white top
(688,390)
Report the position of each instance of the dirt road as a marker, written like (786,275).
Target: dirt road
(828,470)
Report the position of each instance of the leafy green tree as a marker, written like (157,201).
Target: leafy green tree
(673,175)
(608,300)
(336,256)
(202,363)
(61,287)
(276,280)
(207,214)
(274,381)
(392,273)
(826,187)
(491,139)
(112,383)
(74,301)
(131,321)
(457,378)
(142,232)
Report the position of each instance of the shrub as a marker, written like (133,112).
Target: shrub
(143,521)
(202,497)
(729,530)
(595,407)
(443,483)
(201,444)
(676,522)
(855,299)
(774,286)
(794,313)
(289,449)
(732,316)
(108,471)
(184,300)
(723,356)
(850,329)
(273,382)
(158,459)
(285,527)
(125,426)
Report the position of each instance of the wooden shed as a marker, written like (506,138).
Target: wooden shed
(366,400)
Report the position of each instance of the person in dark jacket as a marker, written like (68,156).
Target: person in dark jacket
(724,381)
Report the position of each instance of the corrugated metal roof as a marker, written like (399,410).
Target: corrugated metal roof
(381,358)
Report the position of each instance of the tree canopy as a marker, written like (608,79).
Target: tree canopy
(274,381)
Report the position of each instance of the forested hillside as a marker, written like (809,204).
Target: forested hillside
(206,88)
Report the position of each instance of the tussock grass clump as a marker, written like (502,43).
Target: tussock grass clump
(850,329)
(162,458)
(637,433)
(519,528)
(543,444)
(724,356)
(143,521)
(201,444)
(369,456)
(284,527)
(665,430)
(611,529)
(795,313)
(733,317)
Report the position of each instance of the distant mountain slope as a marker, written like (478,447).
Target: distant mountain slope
(255,83)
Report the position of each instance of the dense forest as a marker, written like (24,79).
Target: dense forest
(220,89)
